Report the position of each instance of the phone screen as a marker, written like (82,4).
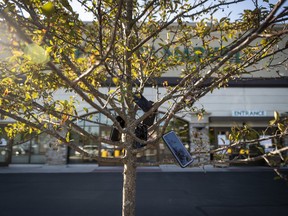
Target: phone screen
(177,148)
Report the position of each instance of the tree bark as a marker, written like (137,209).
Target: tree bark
(129,185)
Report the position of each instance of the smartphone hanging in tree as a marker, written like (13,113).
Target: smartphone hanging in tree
(177,148)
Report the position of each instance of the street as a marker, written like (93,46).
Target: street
(158,194)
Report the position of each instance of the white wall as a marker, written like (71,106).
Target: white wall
(222,101)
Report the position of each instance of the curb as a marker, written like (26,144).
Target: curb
(94,168)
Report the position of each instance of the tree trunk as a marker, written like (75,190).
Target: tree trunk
(129,185)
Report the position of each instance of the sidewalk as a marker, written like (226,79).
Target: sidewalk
(90,168)
(42,168)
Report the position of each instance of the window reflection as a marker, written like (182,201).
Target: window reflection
(30,149)
(100,126)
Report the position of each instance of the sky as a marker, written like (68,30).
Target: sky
(234,9)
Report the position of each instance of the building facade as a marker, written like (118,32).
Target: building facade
(249,100)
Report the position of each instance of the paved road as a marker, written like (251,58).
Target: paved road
(158,194)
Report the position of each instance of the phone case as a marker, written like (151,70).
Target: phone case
(141,131)
(149,121)
(142,102)
(115,135)
(177,148)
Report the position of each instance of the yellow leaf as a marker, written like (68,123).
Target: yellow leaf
(6,92)
(64,119)
(281,127)
(48,9)
(68,137)
(198,52)
(111,91)
(272,122)
(15,43)
(276,116)
(17,53)
(200,116)
(34,95)
(27,96)
(115,80)
(165,83)
(134,74)
(49,49)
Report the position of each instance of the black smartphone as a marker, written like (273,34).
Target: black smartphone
(149,121)
(142,102)
(141,131)
(115,135)
(177,148)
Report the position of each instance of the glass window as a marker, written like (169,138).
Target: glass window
(20,150)
(39,146)
(88,145)
(99,125)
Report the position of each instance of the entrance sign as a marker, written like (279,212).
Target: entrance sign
(249,113)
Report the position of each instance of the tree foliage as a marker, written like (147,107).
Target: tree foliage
(127,46)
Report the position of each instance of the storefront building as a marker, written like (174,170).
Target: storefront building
(247,101)
(225,108)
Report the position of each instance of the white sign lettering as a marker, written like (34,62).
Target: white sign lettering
(248,113)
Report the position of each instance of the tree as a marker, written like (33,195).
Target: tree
(50,49)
